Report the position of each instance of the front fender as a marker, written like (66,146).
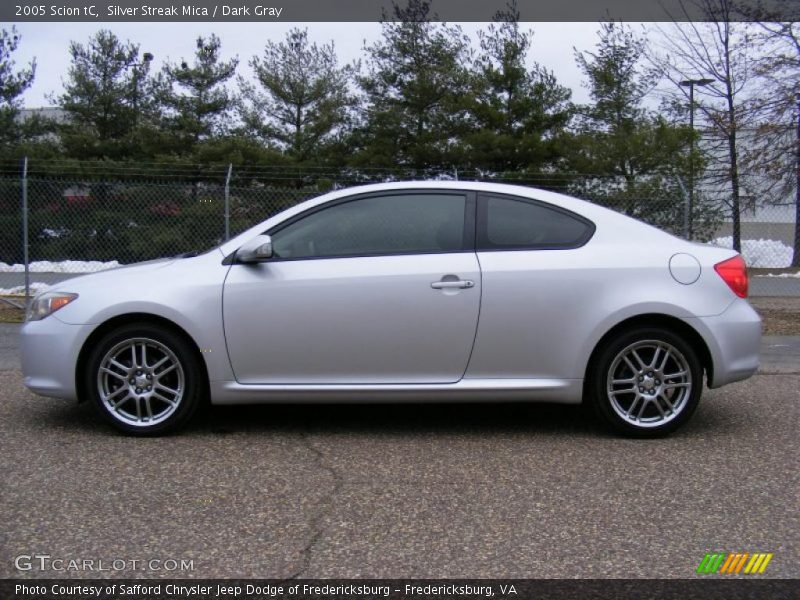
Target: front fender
(194,285)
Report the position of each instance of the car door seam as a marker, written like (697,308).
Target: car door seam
(224,328)
(478,317)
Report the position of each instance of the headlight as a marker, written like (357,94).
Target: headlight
(48,303)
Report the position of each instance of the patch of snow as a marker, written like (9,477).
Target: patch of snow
(64,266)
(54,233)
(760,253)
(19,290)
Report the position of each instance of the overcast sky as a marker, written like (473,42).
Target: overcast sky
(552,45)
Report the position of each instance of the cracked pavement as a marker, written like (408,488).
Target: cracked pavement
(325,505)
(419,491)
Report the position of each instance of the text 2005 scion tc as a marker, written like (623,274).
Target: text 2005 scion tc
(412,291)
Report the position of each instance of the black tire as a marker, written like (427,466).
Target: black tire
(167,411)
(647,405)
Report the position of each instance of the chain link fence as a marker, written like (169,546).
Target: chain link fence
(81,220)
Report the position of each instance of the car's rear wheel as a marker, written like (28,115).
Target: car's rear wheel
(646,382)
(144,379)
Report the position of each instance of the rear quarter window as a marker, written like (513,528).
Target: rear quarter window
(512,223)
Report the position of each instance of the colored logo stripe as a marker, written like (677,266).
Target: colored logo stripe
(724,563)
(758,563)
(734,563)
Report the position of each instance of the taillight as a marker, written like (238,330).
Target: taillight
(734,272)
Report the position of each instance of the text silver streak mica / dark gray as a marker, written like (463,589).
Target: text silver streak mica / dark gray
(415,291)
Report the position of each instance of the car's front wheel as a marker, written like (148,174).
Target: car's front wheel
(646,382)
(144,379)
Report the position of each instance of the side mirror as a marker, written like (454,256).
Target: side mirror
(259,249)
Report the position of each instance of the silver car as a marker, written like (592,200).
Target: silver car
(416,291)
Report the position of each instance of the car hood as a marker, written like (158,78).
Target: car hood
(151,287)
(92,279)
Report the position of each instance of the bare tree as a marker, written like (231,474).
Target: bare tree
(776,153)
(721,49)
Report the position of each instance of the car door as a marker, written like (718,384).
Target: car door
(381,288)
(539,284)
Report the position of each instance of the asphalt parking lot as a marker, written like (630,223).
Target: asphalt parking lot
(405,491)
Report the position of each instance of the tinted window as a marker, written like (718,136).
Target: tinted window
(392,224)
(515,224)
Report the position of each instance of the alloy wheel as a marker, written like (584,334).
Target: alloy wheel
(141,382)
(649,383)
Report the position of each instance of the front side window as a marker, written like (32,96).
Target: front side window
(518,224)
(410,223)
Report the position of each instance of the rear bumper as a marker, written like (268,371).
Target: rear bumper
(49,351)
(734,341)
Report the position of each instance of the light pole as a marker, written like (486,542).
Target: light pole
(796,254)
(690,83)
(147,58)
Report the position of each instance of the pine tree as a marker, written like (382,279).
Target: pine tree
(417,78)
(12,85)
(196,101)
(520,113)
(107,96)
(629,156)
(302,102)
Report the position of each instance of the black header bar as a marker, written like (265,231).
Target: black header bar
(267,11)
(703,588)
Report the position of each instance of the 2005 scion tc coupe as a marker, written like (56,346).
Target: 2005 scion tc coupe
(416,291)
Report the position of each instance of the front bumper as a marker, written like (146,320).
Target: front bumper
(734,341)
(49,352)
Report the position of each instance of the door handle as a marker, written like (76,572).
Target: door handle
(449,285)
